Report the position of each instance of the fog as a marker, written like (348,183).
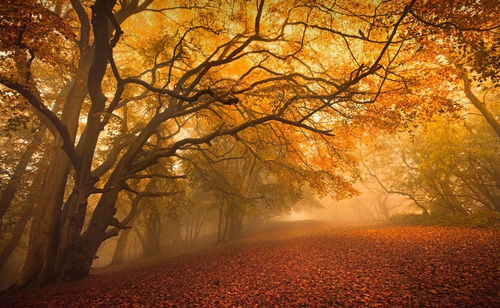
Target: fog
(371,206)
(136,130)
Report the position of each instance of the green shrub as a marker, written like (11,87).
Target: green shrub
(482,219)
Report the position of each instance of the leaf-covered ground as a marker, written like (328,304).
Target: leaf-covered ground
(304,266)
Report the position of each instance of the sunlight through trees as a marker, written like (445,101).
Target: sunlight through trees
(162,122)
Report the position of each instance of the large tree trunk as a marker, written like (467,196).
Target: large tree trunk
(42,240)
(43,233)
(48,259)
(74,260)
(77,257)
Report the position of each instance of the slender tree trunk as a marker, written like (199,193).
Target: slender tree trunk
(141,240)
(199,225)
(12,186)
(17,233)
(152,244)
(121,247)
(220,227)
(227,222)
(27,213)
(152,234)
(382,204)
(481,106)
(450,196)
(236,225)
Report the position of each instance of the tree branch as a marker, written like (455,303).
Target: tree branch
(56,127)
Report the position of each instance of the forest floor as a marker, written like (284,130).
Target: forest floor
(302,264)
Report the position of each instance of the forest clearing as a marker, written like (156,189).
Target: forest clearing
(304,264)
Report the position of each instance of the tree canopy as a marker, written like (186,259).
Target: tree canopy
(252,103)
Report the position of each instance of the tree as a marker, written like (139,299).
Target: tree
(463,39)
(448,166)
(210,72)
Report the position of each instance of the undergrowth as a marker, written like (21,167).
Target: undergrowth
(483,219)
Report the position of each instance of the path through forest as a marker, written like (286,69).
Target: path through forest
(303,264)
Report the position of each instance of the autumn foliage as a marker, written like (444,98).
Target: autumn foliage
(152,120)
(304,265)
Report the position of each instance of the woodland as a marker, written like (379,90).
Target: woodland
(132,127)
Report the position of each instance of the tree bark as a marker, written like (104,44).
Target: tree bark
(12,186)
(76,259)
(481,106)
(121,247)
(27,213)
(220,224)
(152,232)
(236,220)
(16,236)
(43,238)
(451,197)
(44,244)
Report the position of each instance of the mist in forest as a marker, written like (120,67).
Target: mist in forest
(139,130)
(367,208)
(202,229)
